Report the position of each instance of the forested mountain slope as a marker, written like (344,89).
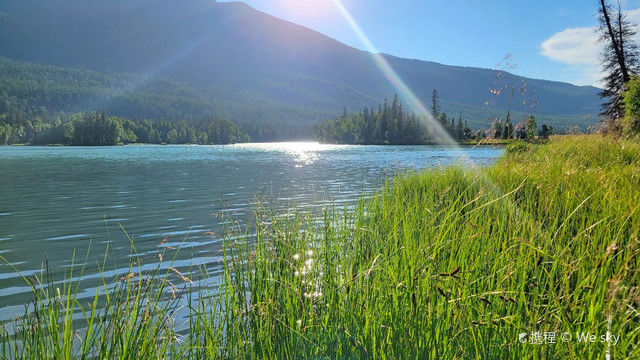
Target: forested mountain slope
(182,58)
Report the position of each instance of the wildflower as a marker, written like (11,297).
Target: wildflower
(299,322)
(296,257)
(310,253)
(309,263)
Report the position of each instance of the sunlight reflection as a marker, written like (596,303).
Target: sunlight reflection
(303,153)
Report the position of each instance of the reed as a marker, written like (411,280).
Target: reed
(445,264)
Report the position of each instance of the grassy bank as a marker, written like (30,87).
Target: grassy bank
(443,264)
(501,142)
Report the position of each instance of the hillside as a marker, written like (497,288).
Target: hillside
(228,59)
(28,86)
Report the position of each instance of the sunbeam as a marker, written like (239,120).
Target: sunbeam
(412,101)
(404,92)
(155,70)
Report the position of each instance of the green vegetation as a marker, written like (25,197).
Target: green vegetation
(447,263)
(37,94)
(28,88)
(620,61)
(99,129)
(392,125)
(527,129)
(631,100)
(267,77)
(388,125)
(453,264)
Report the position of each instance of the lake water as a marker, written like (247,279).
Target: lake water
(54,200)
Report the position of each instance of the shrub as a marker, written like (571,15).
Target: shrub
(517,147)
(631,98)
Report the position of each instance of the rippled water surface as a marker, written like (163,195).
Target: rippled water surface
(54,200)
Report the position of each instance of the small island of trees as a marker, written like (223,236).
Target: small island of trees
(393,125)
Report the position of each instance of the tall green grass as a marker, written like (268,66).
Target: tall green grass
(450,263)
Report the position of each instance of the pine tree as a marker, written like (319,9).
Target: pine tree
(498,128)
(384,123)
(401,127)
(435,106)
(444,121)
(531,128)
(508,127)
(468,132)
(619,59)
(544,131)
(395,107)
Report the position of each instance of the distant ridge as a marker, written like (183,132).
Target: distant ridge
(241,63)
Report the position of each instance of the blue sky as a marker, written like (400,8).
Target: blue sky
(548,39)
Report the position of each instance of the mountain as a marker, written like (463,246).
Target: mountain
(232,60)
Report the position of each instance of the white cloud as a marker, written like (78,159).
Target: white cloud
(573,46)
(579,48)
(633,15)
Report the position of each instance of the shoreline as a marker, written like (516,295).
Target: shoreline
(484,142)
(465,144)
(485,255)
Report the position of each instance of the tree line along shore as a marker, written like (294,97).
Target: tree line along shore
(389,125)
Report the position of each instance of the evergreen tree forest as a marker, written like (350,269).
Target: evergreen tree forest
(28,90)
(390,124)
(527,129)
(97,128)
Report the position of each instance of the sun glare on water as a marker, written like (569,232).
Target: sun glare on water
(303,153)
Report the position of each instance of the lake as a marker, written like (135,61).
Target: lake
(54,200)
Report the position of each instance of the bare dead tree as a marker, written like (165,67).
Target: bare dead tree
(619,61)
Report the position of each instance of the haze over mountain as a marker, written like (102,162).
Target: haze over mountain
(228,59)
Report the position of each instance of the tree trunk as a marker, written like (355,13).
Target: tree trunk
(616,46)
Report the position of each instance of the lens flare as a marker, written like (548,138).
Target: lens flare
(412,101)
(404,92)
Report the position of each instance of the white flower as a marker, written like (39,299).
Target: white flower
(299,322)
(310,253)
(296,257)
